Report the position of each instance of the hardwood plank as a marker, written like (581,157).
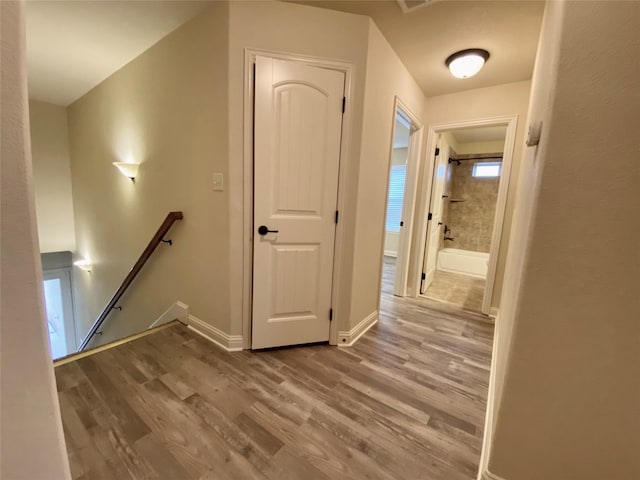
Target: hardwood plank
(132,426)
(231,400)
(229,432)
(174,383)
(69,376)
(407,401)
(269,443)
(287,465)
(164,463)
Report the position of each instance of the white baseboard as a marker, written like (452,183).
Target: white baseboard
(178,311)
(483,471)
(487,475)
(230,343)
(348,338)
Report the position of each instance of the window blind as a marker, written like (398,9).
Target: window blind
(396,195)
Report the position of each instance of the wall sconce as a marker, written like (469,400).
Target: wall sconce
(466,63)
(129,170)
(84,264)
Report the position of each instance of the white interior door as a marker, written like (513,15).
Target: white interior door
(297,133)
(434,230)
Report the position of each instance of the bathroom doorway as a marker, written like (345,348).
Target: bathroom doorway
(469,182)
(401,192)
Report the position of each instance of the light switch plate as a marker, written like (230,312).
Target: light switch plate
(533,136)
(218,182)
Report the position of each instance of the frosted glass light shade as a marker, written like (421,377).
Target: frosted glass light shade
(129,170)
(467,63)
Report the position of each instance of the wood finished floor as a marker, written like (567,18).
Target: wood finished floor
(406,402)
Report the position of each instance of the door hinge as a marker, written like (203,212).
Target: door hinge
(336,216)
(424,276)
(437,151)
(330,314)
(344,104)
(430,216)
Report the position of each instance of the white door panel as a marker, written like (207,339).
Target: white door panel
(434,231)
(298,123)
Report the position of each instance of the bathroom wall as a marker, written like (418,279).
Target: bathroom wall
(470,221)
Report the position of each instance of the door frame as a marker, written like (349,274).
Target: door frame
(250,55)
(405,234)
(511,122)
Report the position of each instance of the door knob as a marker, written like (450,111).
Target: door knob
(263,230)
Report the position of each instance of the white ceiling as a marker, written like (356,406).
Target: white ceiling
(72,46)
(425,37)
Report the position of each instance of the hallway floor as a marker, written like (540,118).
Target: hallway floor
(407,401)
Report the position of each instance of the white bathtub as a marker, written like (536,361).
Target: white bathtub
(463,261)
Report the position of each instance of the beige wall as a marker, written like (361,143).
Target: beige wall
(386,78)
(125,118)
(168,110)
(569,403)
(480,147)
(31,439)
(464,148)
(542,92)
(307,31)
(391,240)
(507,99)
(297,29)
(52,177)
(399,156)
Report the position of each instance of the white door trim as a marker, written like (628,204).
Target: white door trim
(409,200)
(510,121)
(247,250)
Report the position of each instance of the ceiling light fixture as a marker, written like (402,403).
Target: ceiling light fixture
(466,63)
(129,170)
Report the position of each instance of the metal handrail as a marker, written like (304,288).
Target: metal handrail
(155,241)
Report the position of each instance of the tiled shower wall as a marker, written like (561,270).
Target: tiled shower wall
(470,221)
